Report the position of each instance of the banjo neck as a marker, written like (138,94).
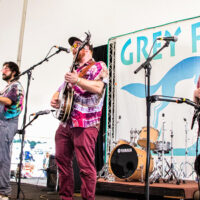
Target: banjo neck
(66,97)
(75,58)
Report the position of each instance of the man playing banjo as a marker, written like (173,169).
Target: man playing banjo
(78,133)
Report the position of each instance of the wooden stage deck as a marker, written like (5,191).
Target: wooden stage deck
(161,190)
(117,190)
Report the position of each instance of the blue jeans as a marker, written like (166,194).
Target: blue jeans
(8,130)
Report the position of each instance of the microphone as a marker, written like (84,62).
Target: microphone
(63,49)
(172,38)
(43,112)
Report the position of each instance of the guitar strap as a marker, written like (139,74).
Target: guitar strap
(84,71)
(6,88)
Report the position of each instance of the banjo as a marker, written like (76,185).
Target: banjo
(67,93)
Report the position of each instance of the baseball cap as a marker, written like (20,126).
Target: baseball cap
(72,39)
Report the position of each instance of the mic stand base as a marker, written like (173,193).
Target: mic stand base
(171,174)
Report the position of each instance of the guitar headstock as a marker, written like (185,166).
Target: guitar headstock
(88,36)
(86,41)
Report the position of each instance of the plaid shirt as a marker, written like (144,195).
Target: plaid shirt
(87,106)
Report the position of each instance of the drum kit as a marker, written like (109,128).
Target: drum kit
(127,160)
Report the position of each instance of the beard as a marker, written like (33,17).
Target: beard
(6,78)
(80,55)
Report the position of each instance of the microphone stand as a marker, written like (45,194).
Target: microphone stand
(197,144)
(22,131)
(147,66)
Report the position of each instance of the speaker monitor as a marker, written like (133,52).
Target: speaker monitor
(52,173)
(52,182)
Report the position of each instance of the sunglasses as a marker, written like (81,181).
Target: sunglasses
(76,45)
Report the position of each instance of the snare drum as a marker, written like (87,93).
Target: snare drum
(142,141)
(162,146)
(128,162)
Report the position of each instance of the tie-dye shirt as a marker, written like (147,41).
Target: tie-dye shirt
(15,93)
(87,106)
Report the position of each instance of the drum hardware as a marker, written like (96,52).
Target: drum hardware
(142,172)
(163,139)
(134,137)
(161,147)
(172,172)
(184,165)
(158,170)
(104,172)
(184,169)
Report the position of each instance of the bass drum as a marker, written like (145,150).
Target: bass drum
(162,147)
(129,163)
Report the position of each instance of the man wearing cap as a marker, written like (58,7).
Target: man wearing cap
(79,133)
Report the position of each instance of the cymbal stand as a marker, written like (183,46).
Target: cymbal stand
(133,137)
(163,140)
(172,172)
(159,169)
(184,165)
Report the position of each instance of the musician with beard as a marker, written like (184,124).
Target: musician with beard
(11,104)
(79,133)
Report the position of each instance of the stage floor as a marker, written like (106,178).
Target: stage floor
(156,190)
(39,192)
(117,190)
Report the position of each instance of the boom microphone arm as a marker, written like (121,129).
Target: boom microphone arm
(174,99)
(154,98)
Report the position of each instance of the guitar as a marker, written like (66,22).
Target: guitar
(6,88)
(67,93)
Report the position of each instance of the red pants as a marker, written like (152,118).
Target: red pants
(81,141)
